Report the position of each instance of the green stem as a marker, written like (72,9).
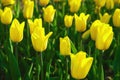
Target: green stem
(41,65)
(80,46)
(16,51)
(27,39)
(66,62)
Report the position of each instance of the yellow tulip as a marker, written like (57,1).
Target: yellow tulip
(93,29)
(109,4)
(1,11)
(80,65)
(81,22)
(117,1)
(100,3)
(105,18)
(104,37)
(116,18)
(16,31)
(28,9)
(44,2)
(86,35)
(33,25)
(74,5)
(7,2)
(68,19)
(24,1)
(65,47)
(39,40)
(49,13)
(6,16)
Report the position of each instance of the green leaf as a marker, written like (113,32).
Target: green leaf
(74,50)
(13,66)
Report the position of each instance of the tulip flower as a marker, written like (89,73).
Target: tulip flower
(33,25)
(116,18)
(86,35)
(7,2)
(93,29)
(74,5)
(117,1)
(49,13)
(109,4)
(100,3)
(105,18)
(44,2)
(81,22)
(68,19)
(1,11)
(28,9)
(104,37)
(16,31)
(65,47)
(39,40)
(6,16)
(80,65)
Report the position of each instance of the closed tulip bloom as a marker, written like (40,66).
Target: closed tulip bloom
(80,65)
(6,16)
(39,39)
(1,11)
(28,9)
(68,19)
(81,22)
(33,25)
(16,31)
(105,18)
(86,35)
(44,2)
(7,2)
(109,4)
(117,1)
(93,29)
(116,18)
(104,37)
(49,13)
(65,47)
(100,3)
(74,5)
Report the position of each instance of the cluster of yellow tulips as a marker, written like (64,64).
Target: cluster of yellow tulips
(100,30)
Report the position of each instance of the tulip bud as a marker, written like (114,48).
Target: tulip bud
(105,18)
(116,18)
(65,47)
(49,13)
(109,4)
(86,35)
(81,22)
(39,40)
(104,37)
(44,2)
(6,16)
(28,9)
(16,31)
(100,3)
(7,2)
(68,19)
(1,11)
(117,1)
(80,65)
(74,5)
(33,25)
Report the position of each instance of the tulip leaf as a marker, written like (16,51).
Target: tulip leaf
(74,50)
(13,66)
(116,63)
